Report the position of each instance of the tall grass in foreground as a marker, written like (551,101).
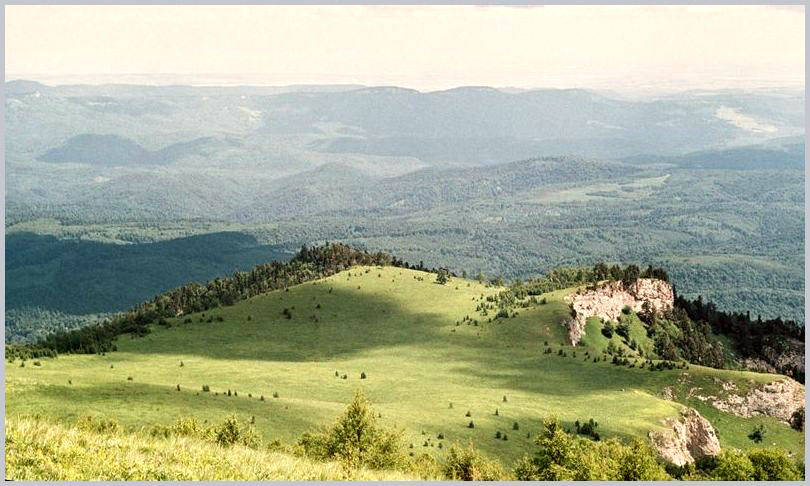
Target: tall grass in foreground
(38,450)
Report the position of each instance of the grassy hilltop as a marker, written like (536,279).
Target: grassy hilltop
(426,366)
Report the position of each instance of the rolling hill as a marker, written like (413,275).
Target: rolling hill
(424,354)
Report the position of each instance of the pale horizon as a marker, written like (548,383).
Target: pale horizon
(428,48)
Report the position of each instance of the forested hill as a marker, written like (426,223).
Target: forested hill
(769,341)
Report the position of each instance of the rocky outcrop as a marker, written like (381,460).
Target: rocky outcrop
(778,399)
(688,438)
(608,300)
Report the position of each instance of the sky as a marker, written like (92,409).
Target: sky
(421,47)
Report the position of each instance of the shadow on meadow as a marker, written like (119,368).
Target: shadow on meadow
(163,405)
(312,322)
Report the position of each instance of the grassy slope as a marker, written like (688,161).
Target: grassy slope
(70,454)
(402,332)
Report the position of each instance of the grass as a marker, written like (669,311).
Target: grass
(399,327)
(37,450)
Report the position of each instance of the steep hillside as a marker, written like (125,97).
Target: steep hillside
(431,357)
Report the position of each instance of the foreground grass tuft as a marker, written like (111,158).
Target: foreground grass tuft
(37,450)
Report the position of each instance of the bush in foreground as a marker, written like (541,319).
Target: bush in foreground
(41,451)
(467,464)
(563,457)
(358,440)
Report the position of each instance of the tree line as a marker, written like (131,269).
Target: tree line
(308,264)
(766,340)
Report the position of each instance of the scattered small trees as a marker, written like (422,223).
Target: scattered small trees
(587,429)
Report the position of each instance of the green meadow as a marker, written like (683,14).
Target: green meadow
(293,359)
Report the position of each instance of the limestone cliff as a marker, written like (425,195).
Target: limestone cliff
(778,399)
(608,300)
(688,438)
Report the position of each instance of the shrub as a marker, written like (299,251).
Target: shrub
(515,426)
(357,440)
(98,424)
(607,330)
(471,425)
(505,437)
(467,464)
(797,420)
(626,310)
(261,398)
(504,398)
(773,465)
(498,434)
(206,388)
(758,434)
(232,432)
(588,429)
(362,375)
(561,456)
(732,465)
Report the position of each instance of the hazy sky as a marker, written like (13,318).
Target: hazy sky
(435,47)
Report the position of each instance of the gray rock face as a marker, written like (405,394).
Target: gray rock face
(689,437)
(607,302)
